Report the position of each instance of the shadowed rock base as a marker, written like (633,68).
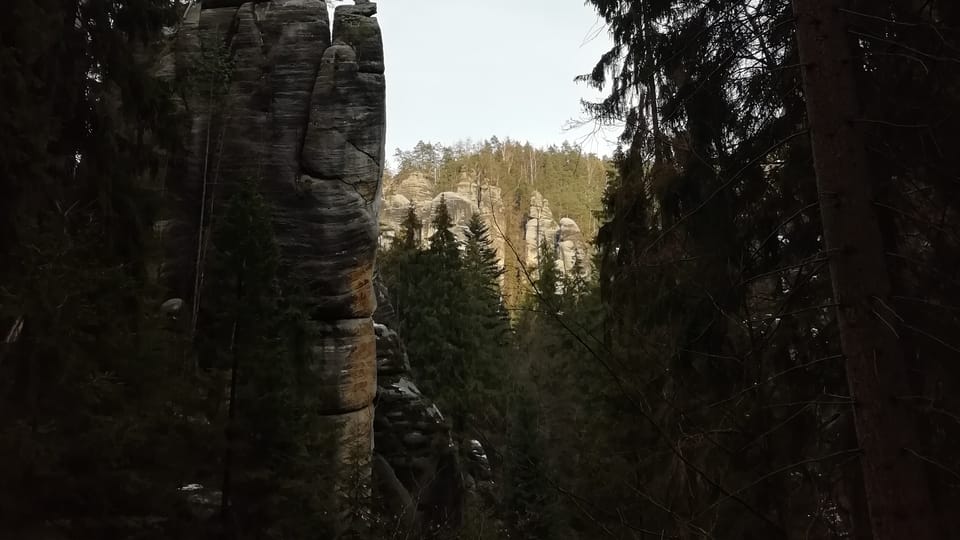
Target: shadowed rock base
(273,96)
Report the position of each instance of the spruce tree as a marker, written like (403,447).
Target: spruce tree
(711,274)
(529,499)
(410,230)
(488,336)
(250,332)
(897,492)
(443,244)
(548,279)
(479,256)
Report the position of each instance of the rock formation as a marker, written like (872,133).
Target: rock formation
(419,192)
(564,240)
(416,467)
(272,93)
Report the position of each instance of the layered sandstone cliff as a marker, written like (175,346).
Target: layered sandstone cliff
(418,192)
(563,239)
(276,92)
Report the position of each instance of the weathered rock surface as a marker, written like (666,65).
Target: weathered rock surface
(420,193)
(339,360)
(302,111)
(391,357)
(540,228)
(414,439)
(564,240)
(570,245)
(420,462)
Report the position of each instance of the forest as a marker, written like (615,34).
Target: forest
(201,336)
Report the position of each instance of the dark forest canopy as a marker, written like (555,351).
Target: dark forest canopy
(764,346)
(757,178)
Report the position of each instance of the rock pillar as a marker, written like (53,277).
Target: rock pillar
(300,108)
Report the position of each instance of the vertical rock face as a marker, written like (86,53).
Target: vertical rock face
(564,240)
(419,192)
(417,469)
(301,110)
(540,228)
(470,197)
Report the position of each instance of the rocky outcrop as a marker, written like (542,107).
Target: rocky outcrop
(419,477)
(564,240)
(540,228)
(273,93)
(416,468)
(419,192)
(570,246)
(278,92)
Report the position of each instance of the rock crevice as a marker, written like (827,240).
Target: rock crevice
(299,106)
(271,96)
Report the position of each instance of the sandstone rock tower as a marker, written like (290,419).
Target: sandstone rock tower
(302,110)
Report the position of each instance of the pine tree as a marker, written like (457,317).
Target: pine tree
(443,244)
(479,257)
(529,500)
(548,279)
(410,230)
(254,334)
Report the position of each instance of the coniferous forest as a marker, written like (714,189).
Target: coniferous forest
(760,340)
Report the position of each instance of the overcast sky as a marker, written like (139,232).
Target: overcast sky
(459,69)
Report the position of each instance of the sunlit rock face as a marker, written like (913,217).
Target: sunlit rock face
(419,192)
(299,105)
(564,240)
(570,245)
(541,228)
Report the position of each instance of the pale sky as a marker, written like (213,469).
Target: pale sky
(471,69)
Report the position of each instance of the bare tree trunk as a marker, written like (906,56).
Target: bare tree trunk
(226,490)
(897,492)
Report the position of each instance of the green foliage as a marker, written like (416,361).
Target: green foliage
(443,244)
(451,316)
(479,258)
(718,319)
(212,71)
(529,500)
(256,335)
(709,226)
(489,335)
(410,230)
(547,282)
(573,182)
(242,276)
(98,417)
(95,420)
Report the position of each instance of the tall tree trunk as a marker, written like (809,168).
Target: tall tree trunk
(897,493)
(226,490)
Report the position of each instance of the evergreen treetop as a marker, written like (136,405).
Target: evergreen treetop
(479,256)
(410,230)
(443,243)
